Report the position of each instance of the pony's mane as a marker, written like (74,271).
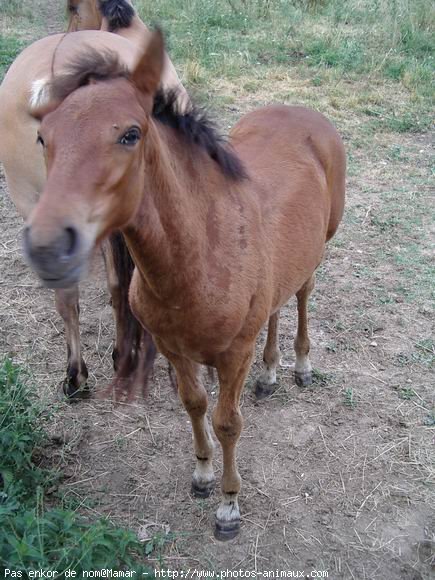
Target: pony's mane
(196,128)
(87,67)
(118,13)
(192,125)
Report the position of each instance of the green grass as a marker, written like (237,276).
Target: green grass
(14,8)
(349,398)
(406,393)
(383,43)
(386,46)
(10,47)
(32,535)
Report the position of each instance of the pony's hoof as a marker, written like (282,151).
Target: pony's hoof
(263,390)
(225,531)
(303,379)
(73,393)
(203,491)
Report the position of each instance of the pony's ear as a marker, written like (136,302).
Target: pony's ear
(148,72)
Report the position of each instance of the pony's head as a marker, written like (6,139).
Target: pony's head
(89,14)
(102,138)
(93,135)
(83,15)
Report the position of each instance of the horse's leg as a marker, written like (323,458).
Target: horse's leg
(232,369)
(115,294)
(194,398)
(303,369)
(271,356)
(67,304)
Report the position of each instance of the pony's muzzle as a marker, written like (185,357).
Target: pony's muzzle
(56,260)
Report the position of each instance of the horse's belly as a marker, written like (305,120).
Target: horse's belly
(294,262)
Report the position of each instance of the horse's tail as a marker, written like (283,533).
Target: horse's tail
(118,13)
(135,350)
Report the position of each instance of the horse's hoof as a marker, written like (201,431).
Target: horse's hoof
(303,379)
(203,491)
(225,531)
(263,390)
(72,393)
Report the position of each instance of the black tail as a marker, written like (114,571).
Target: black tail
(118,13)
(134,358)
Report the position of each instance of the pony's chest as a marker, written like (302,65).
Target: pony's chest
(198,328)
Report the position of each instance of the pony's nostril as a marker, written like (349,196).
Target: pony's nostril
(71,239)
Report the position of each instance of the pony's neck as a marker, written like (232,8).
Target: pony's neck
(165,235)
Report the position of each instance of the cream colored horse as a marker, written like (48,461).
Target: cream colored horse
(119,16)
(23,162)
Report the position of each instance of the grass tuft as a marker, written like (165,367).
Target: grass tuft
(10,47)
(32,535)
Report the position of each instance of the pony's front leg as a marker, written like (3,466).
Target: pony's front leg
(194,398)
(232,368)
(67,305)
(116,295)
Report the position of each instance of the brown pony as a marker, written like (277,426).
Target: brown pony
(24,163)
(221,236)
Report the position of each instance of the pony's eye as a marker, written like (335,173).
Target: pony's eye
(40,140)
(131,137)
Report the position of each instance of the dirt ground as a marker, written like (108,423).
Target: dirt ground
(338,477)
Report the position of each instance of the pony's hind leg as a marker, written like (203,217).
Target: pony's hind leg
(67,305)
(233,368)
(194,398)
(265,384)
(303,369)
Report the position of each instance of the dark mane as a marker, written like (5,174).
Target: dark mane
(196,128)
(118,13)
(71,7)
(88,66)
(193,125)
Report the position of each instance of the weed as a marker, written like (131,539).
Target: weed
(348,398)
(403,359)
(20,433)
(429,420)
(155,545)
(426,350)
(321,379)
(332,346)
(406,393)
(389,223)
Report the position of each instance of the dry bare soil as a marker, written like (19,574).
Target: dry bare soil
(338,477)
